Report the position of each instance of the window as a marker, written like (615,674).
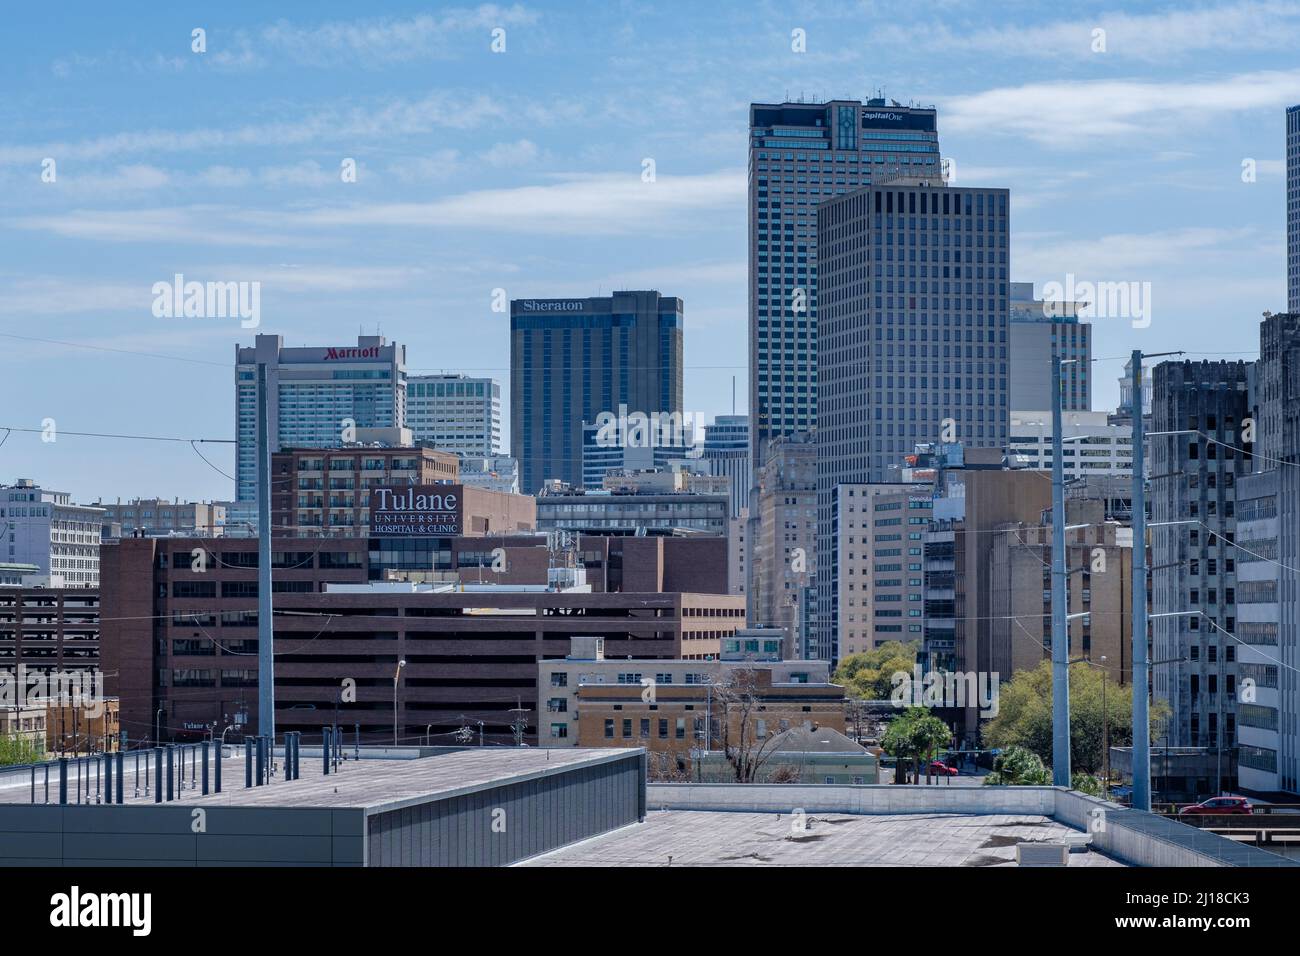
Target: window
(609,728)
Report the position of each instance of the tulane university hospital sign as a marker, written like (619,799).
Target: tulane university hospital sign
(416,509)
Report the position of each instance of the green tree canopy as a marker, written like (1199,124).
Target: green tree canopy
(1018,766)
(869,675)
(916,735)
(19,749)
(1024,716)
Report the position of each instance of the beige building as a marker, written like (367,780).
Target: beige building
(737,552)
(879,535)
(673,706)
(785,553)
(1099,563)
(24,722)
(158,516)
(75,726)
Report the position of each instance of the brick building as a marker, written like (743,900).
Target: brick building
(184,641)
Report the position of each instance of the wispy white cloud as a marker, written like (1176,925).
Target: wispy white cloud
(1131,256)
(596,204)
(378,120)
(387,40)
(202,225)
(522,152)
(1242,27)
(1081,115)
(574,204)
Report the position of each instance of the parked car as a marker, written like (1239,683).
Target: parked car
(1218,805)
(941,769)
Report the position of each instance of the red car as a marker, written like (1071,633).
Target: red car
(1218,805)
(940,769)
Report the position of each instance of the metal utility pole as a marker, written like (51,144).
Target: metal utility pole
(520,724)
(1060,635)
(397,675)
(265,631)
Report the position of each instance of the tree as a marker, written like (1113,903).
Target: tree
(916,735)
(737,703)
(1018,766)
(869,675)
(1024,716)
(19,749)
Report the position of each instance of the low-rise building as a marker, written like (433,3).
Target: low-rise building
(182,636)
(803,754)
(158,516)
(627,509)
(674,707)
(334,492)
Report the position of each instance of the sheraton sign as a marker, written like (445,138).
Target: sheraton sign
(416,510)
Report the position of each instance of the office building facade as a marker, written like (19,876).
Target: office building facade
(1038,330)
(878,573)
(1293,209)
(158,516)
(455,413)
(317,396)
(573,359)
(800,155)
(1268,548)
(1095,445)
(1201,407)
(784,556)
(182,642)
(45,528)
(913,333)
(726,453)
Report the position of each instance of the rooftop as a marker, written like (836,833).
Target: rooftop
(703,838)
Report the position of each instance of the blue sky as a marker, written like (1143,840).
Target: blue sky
(521,170)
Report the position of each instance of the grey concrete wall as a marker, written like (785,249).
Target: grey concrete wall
(832,798)
(129,835)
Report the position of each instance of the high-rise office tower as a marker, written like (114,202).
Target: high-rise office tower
(913,329)
(1037,329)
(1267,548)
(455,413)
(1198,412)
(1293,209)
(801,154)
(726,452)
(573,359)
(316,394)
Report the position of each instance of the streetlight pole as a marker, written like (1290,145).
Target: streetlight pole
(1141,662)
(396,676)
(1060,634)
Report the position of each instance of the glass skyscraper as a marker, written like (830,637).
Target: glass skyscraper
(314,393)
(572,359)
(915,308)
(1293,209)
(801,154)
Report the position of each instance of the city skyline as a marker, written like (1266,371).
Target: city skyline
(232,170)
